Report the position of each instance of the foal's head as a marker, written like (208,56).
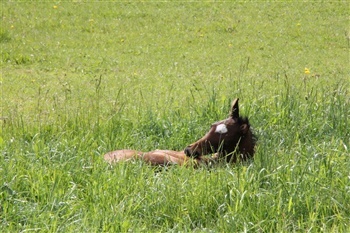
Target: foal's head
(229,137)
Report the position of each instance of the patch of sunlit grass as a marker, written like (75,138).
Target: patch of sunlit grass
(80,79)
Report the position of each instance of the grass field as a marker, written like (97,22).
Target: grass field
(81,79)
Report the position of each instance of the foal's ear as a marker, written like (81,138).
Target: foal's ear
(234,109)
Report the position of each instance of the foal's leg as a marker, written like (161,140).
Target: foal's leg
(121,155)
(165,157)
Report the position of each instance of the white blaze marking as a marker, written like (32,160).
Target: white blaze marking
(221,129)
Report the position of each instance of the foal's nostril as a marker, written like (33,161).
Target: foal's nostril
(191,153)
(188,151)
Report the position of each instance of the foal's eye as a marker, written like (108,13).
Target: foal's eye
(221,129)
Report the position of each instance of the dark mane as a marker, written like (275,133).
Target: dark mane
(243,120)
(250,137)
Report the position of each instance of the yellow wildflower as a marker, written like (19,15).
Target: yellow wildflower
(306,71)
(55,7)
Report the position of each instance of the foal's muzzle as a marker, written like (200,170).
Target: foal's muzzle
(191,153)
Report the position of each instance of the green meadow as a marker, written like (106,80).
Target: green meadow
(80,79)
